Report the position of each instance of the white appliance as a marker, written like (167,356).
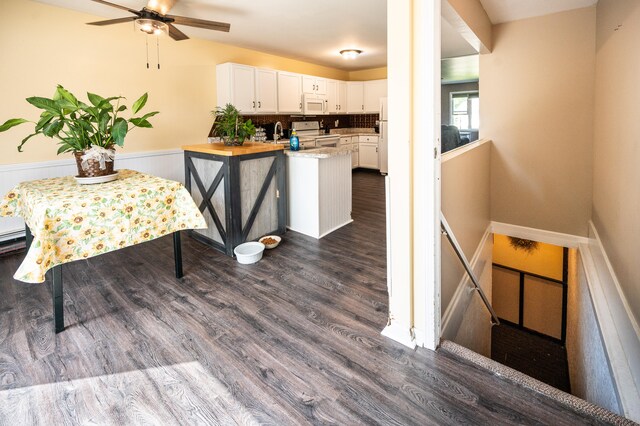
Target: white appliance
(383,140)
(311,136)
(313,104)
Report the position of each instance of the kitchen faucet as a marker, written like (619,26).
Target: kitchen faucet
(277,135)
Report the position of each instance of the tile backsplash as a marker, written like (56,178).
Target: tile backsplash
(344,121)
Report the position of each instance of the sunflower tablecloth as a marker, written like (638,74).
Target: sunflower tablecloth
(70,221)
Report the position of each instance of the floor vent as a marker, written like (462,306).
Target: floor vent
(579,405)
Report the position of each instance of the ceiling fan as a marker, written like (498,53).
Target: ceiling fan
(153,19)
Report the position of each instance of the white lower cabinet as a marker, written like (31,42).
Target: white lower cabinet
(368,155)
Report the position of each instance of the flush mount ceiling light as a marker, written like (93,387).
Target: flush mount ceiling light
(152,26)
(350,53)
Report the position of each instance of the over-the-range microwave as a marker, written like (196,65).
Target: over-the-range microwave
(313,104)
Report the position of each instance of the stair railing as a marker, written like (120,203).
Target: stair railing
(446,230)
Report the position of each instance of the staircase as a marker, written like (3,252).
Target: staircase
(592,414)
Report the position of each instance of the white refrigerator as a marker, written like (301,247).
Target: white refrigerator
(383,141)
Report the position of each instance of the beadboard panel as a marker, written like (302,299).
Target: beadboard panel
(168,164)
(335,193)
(318,194)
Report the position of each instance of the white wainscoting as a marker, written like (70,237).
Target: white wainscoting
(616,322)
(168,164)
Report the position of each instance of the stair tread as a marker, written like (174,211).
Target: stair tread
(591,413)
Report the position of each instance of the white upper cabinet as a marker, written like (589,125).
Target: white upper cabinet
(236,85)
(373,91)
(355,97)
(332,96)
(289,93)
(342,97)
(314,85)
(251,90)
(266,91)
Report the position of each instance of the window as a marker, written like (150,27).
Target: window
(465,110)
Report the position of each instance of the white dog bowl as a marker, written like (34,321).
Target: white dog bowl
(248,253)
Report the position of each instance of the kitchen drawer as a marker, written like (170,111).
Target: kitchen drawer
(373,139)
(345,140)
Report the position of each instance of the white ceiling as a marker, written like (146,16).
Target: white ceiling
(500,11)
(313,31)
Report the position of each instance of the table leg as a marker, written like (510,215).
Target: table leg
(58,310)
(177,253)
(28,236)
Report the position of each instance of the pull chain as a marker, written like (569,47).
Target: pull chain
(146,40)
(158,50)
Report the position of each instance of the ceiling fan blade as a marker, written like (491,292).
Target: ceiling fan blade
(176,34)
(200,23)
(106,3)
(113,21)
(160,6)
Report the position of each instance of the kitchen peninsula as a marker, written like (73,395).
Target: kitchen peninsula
(319,190)
(240,190)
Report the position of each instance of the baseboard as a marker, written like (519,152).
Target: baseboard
(549,237)
(168,164)
(401,333)
(618,326)
(458,305)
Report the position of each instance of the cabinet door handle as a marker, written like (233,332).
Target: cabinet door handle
(254,104)
(300,105)
(259,104)
(363,107)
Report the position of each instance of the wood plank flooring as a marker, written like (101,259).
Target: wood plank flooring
(294,339)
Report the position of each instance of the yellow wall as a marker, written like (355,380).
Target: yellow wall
(43,45)
(537,103)
(616,199)
(546,260)
(370,74)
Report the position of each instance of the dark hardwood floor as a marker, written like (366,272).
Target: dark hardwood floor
(293,339)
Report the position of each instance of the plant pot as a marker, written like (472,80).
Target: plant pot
(232,142)
(92,167)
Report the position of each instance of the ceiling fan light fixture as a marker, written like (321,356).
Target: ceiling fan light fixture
(350,53)
(152,26)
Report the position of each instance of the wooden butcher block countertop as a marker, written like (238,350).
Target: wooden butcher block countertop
(230,151)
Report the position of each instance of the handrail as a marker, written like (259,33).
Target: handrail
(446,230)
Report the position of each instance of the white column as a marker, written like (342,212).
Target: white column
(413,67)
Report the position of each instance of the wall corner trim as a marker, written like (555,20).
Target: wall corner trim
(540,235)
(401,333)
(618,327)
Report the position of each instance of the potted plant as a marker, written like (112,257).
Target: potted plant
(90,131)
(230,126)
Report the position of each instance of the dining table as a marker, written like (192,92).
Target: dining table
(67,221)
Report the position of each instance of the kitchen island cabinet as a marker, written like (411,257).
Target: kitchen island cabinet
(240,190)
(319,190)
